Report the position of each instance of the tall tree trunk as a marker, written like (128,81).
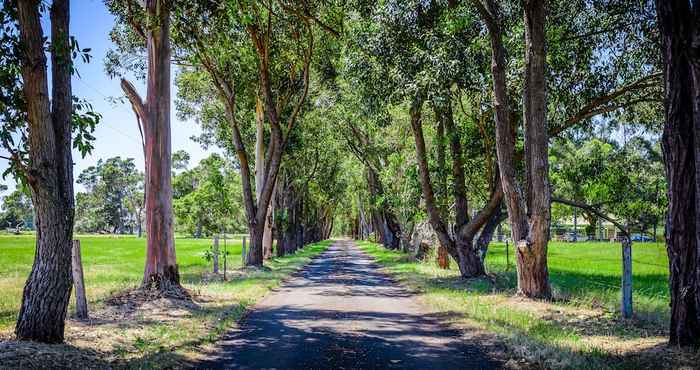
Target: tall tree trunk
(530,234)
(533,277)
(50,173)
(257,215)
(443,261)
(260,174)
(385,224)
(161,270)
(680,40)
(363,225)
(280,218)
(269,222)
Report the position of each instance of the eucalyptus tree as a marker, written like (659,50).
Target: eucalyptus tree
(625,179)
(602,80)
(277,38)
(147,25)
(211,205)
(17,210)
(679,32)
(421,53)
(38,126)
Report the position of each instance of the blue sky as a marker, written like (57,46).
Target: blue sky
(117,133)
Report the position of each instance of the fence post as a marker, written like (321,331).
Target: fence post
(626,304)
(243,253)
(81,310)
(215,255)
(507,261)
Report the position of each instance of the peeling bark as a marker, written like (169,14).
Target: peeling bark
(161,270)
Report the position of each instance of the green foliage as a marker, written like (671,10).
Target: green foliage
(113,198)
(208,198)
(17,210)
(625,180)
(13,106)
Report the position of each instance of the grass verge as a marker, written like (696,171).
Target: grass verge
(132,332)
(578,330)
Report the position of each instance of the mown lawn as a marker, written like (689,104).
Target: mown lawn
(157,334)
(589,273)
(581,328)
(111,263)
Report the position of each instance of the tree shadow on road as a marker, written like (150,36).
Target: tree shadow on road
(293,338)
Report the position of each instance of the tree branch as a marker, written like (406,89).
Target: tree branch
(307,65)
(593,210)
(134,98)
(598,105)
(130,17)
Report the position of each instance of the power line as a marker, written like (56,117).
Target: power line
(107,98)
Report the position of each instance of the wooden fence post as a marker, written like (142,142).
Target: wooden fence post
(215,255)
(81,310)
(626,304)
(507,261)
(243,253)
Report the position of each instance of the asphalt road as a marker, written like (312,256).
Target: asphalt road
(341,312)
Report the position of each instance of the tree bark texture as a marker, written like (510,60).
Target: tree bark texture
(443,254)
(529,210)
(260,174)
(461,247)
(533,277)
(680,41)
(386,225)
(50,173)
(161,270)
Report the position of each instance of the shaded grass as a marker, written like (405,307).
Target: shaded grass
(155,334)
(581,328)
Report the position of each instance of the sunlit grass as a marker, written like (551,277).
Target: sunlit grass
(111,263)
(580,329)
(115,263)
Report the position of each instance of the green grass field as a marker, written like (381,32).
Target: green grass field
(111,264)
(581,328)
(589,273)
(161,335)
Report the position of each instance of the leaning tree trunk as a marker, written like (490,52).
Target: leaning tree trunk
(385,223)
(50,173)
(161,270)
(679,41)
(486,234)
(460,249)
